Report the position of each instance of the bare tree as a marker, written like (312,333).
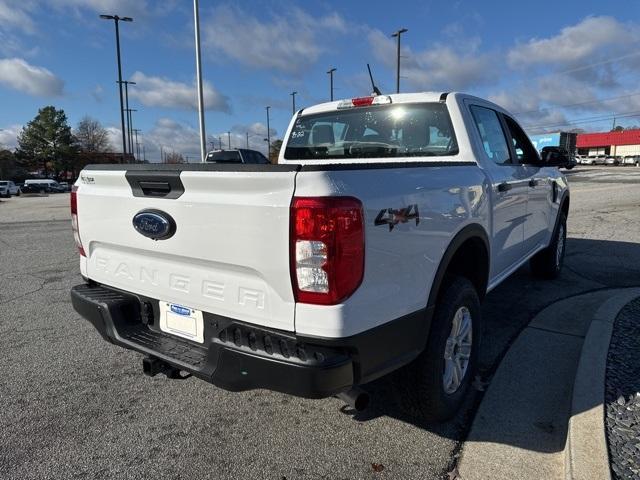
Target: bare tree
(91,136)
(174,157)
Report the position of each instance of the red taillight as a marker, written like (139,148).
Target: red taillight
(362,101)
(327,248)
(74,220)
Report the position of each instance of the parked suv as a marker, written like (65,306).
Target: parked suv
(240,155)
(369,248)
(631,160)
(8,188)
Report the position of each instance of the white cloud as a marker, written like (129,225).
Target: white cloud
(162,92)
(173,136)
(587,40)
(98,93)
(20,75)
(257,134)
(15,15)
(123,8)
(444,67)
(289,42)
(9,136)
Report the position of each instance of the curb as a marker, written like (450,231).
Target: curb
(586,454)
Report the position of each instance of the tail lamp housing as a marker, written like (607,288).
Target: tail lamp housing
(327,248)
(74,220)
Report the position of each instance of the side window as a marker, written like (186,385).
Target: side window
(491,133)
(248,156)
(525,151)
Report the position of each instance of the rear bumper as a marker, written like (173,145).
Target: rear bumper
(239,356)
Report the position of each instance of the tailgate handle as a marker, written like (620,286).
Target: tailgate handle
(154,189)
(155,183)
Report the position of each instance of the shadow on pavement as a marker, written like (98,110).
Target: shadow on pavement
(590,266)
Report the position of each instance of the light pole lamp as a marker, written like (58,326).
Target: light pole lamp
(397,35)
(116,20)
(330,72)
(293,101)
(229,139)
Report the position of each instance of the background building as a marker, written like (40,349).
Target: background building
(626,142)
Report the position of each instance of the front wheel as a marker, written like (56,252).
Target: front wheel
(548,263)
(434,385)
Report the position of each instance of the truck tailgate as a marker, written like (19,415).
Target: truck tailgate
(230,251)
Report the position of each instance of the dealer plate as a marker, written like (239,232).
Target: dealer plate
(182,321)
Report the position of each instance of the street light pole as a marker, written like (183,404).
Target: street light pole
(203,137)
(116,19)
(397,35)
(247,140)
(330,72)
(293,100)
(126,100)
(268,136)
(229,139)
(130,122)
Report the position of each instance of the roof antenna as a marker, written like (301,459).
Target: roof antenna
(376,90)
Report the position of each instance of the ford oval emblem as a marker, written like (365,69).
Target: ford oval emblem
(154,224)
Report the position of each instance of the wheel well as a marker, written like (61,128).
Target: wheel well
(471,260)
(468,256)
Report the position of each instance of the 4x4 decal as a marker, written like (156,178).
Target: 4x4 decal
(392,217)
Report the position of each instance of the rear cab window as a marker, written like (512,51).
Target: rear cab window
(385,131)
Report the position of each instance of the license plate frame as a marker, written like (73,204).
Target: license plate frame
(181,321)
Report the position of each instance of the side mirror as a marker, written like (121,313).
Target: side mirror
(555,157)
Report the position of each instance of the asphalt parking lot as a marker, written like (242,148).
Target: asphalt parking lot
(74,406)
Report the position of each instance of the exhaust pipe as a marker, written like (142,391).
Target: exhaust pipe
(356,398)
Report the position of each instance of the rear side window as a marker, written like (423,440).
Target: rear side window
(224,156)
(490,129)
(387,131)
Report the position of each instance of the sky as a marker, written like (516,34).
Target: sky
(554,65)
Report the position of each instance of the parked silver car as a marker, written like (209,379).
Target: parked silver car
(596,160)
(611,160)
(631,160)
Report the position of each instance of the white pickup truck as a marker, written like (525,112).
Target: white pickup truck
(366,249)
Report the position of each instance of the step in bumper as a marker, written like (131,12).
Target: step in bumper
(235,356)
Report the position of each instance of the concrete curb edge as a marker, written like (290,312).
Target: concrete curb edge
(586,454)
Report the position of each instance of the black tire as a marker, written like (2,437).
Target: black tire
(419,387)
(548,263)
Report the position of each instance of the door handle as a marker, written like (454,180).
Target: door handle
(533,182)
(504,187)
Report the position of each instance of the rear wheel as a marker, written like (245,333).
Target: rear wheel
(434,385)
(548,263)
